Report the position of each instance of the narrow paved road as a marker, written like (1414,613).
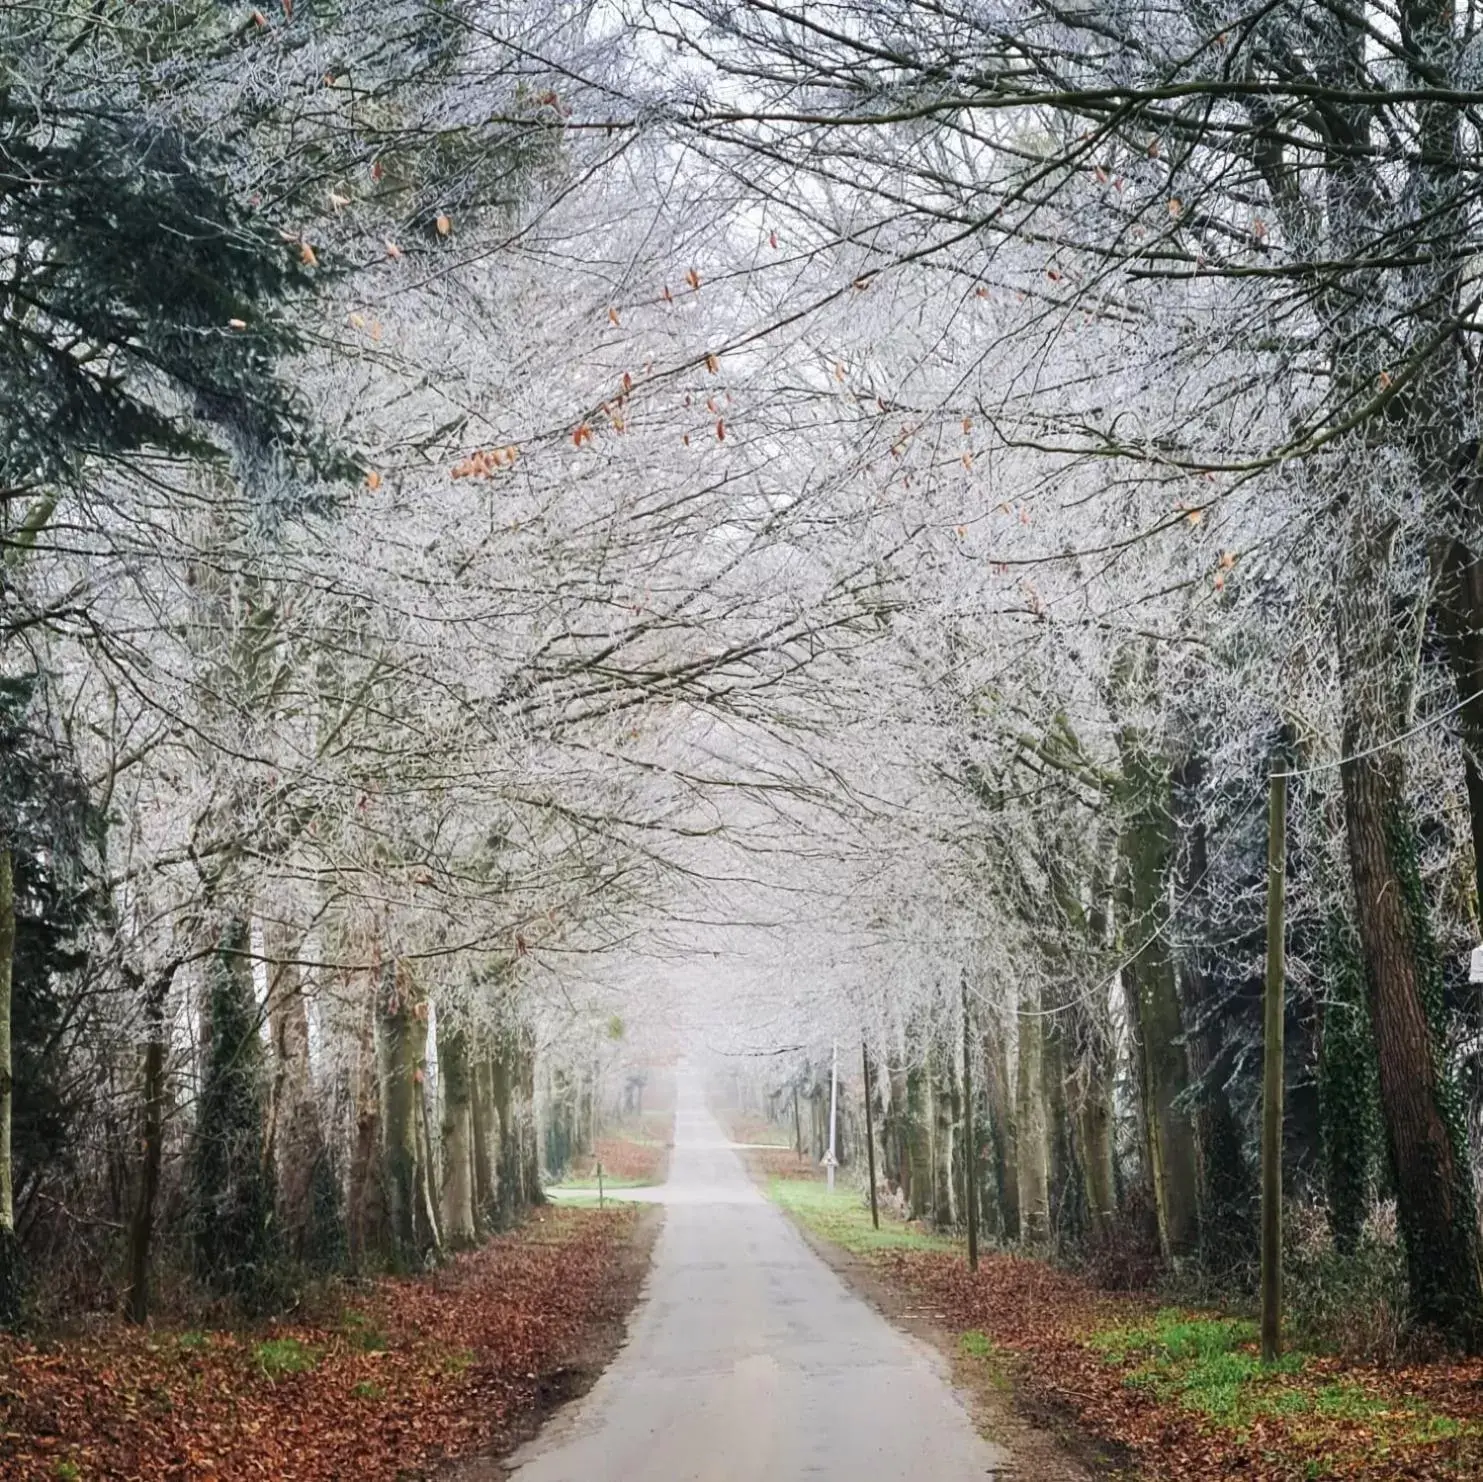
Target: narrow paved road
(749,1361)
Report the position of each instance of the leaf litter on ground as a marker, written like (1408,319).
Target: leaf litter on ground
(413,1371)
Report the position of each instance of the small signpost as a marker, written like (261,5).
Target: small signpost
(599,1185)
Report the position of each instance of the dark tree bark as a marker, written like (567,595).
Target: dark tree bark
(1424,1125)
(152,1138)
(1146,850)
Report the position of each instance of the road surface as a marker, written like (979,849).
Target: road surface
(749,1361)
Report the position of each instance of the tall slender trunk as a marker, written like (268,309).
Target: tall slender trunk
(298,1143)
(945,1187)
(429,1227)
(530,1167)
(483,1134)
(458,1140)
(367,1216)
(970,1134)
(918,1137)
(10,1266)
(1227,1187)
(1458,587)
(1002,1132)
(396,1054)
(502,1092)
(1096,1069)
(152,1137)
(1146,848)
(1030,1143)
(1094,1133)
(1067,1211)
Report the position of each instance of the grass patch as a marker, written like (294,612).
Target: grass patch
(280,1356)
(367,1390)
(568,1196)
(1211,1365)
(363,1333)
(1173,1336)
(975,1344)
(841,1216)
(1207,1364)
(590,1183)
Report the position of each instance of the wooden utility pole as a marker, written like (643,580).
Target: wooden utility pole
(970,1149)
(10,1280)
(875,1214)
(1272,1078)
(831,1162)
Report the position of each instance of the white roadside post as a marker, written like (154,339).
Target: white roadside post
(1475,966)
(830,1161)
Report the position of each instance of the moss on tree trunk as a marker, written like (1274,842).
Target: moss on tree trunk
(1145,848)
(232,1184)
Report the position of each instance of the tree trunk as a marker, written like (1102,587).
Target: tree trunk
(458,1138)
(918,1134)
(944,1129)
(396,1054)
(368,1217)
(232,1175)
(1458,589)
(1067,1187)
(1094,1133)
(1227,1188)
(1146,855)
(1274,1019)
(482,1132)
(502,1078)
(429,1232)
(530,1143)
(152,1137)
(1030,1144)
(299,1151)
(1423,1123)
(1004,1142)
(970,1136)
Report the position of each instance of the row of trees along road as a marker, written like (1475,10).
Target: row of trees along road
(1157,330)
(334,654)
(511,513)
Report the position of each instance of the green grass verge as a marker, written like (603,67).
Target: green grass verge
(1212,1365)
(843,1217)
(607,1183)
(568,1196)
